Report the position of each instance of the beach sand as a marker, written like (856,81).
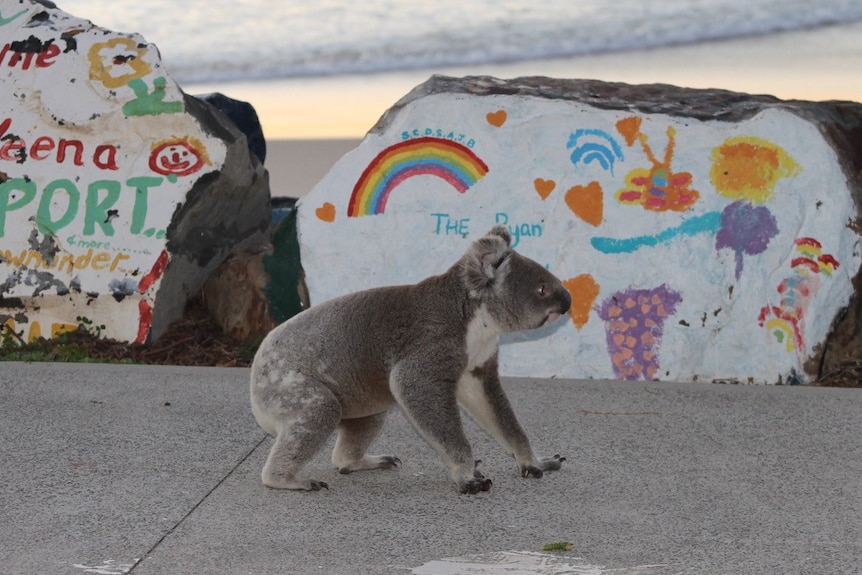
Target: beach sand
(310,123)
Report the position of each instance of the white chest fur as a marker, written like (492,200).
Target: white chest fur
(483,338)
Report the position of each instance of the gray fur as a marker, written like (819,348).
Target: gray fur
(341,365)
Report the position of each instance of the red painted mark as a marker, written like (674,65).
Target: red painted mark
(828,259)
(158,269)
(807,242)
(146,313)
(807,262)
(145,309)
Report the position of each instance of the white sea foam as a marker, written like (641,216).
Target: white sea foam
(222,40)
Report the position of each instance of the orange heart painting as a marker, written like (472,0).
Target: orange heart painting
(326,212)
(544,187)
(584,291)
(497,118)
(587,202)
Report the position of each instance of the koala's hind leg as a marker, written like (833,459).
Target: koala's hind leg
(303,422)
(354,438)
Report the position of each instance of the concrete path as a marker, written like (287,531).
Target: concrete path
(155,471)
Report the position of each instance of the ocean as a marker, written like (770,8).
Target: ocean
(210,41)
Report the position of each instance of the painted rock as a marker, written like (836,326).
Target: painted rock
(118,192)
(703,234)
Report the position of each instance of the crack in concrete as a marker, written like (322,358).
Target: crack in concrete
(194,507)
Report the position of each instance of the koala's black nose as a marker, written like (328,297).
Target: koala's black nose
(565,299)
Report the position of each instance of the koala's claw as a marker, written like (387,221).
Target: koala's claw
(390,461)
(531,471)
(474,486)
(318,485)
(478,474)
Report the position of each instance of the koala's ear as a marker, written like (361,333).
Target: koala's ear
(502,232)
(480,265)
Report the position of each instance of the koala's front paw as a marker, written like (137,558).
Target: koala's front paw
(543,464)
(474,486)
(551,463)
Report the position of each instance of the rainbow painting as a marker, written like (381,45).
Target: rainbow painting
(446,159)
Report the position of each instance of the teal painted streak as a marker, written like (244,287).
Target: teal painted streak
(707,223)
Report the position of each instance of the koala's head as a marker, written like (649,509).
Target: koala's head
(517,292)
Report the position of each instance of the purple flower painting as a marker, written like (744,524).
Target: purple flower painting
(746,229)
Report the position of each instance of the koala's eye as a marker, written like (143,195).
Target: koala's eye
(543,290)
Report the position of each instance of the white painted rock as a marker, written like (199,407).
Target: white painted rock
(118,192)
(704,235)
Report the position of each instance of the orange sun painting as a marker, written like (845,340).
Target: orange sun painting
(748,168)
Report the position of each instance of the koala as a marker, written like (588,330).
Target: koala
(343,364)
